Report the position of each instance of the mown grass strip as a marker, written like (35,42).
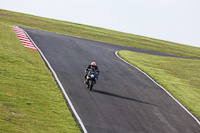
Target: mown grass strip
(30,100)
(179,76)
(99,34)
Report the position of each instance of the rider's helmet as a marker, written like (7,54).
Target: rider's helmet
(93,64)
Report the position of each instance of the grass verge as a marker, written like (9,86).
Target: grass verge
(30,100)
(178,76)
(99,34)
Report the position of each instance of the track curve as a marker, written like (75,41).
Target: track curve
(124,100)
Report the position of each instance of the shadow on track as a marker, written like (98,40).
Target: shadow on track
(118,96)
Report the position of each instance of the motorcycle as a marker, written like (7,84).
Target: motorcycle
(91,79)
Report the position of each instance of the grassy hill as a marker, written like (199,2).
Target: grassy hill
(99,34)
(30,100)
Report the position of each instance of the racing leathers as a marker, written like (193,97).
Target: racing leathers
(91,67)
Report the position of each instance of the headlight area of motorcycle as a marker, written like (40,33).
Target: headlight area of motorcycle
(92,76)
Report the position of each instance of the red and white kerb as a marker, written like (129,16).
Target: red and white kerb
(23,38)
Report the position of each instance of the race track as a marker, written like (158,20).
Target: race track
(124,100)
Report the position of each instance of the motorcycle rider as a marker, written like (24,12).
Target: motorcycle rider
(93,65)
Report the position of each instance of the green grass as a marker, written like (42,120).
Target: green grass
(181,77)
(30,100)
(99,34)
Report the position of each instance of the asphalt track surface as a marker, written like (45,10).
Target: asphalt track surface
(124,100)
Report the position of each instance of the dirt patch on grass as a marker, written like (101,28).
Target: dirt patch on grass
(15,113)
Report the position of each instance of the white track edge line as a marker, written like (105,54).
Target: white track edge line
(161,88)
(62,88)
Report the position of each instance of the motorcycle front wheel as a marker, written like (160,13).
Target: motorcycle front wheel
(90,85)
